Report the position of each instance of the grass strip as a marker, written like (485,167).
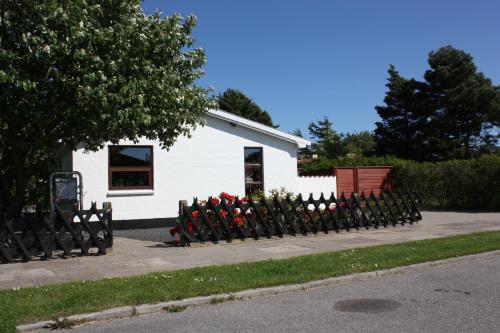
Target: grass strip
(49,302)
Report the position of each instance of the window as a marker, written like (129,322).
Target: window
(254,176)
(130,167)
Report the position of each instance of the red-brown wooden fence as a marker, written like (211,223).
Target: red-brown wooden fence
(362,179)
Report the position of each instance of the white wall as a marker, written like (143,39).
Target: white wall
(210,162)
(317,185)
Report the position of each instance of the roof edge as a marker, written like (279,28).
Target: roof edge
(253,125)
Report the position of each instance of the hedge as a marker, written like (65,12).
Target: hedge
(326,166)
(457,184)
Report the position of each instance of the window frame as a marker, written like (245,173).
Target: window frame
(261,164)
(149,169)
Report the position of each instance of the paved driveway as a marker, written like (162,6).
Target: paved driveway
(455,297)
(132,256)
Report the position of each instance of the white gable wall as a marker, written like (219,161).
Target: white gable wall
(209,162)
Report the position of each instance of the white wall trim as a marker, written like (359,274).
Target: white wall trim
(129,193)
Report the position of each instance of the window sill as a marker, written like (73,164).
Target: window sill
(129,193)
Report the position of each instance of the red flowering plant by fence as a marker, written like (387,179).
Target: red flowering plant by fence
(228,217)
(257,215)
(217,209)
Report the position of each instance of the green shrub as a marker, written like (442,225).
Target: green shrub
(457,184)
(324,165)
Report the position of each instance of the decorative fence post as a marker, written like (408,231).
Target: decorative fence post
(60,233)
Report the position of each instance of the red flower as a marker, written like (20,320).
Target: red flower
(195,214)
(238,220)
(223,213)
(177,230)
(174,230)
(226,196)
(244,199)
(215,201)
(343,204)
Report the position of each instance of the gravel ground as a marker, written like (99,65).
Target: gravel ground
(160,235)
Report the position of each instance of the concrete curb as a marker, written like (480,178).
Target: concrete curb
(130,311)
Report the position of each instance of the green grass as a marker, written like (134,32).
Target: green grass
(42,303)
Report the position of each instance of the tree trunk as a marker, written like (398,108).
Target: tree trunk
(13,184)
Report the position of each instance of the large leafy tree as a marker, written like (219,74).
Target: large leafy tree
(452,114)
(327,142)
(236,102)
(85,72)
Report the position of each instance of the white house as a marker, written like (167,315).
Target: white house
(229,154)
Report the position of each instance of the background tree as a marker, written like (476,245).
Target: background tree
(327,141)
(464,101)
(85,73)
(236,102)
(452,114)
(403,130)
(359,144)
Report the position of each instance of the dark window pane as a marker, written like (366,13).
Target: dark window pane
(253,155)
(130,179)
(253,173)
(252,188)
(130,156)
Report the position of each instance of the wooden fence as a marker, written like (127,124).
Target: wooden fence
(215,220)
(43,236)
(362,179)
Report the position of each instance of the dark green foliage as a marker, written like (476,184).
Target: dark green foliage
(359,144)
(404,116)
(326,140)
(330,144)
(454,113)
(456,184)
(236,102)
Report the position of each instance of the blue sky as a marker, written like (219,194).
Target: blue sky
(303,59)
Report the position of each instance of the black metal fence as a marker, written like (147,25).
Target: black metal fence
(214,220)
(42,235)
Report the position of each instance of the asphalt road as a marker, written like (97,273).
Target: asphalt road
(460,297)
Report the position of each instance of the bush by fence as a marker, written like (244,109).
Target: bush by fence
(458,184)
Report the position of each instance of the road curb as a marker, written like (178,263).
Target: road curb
(130,311)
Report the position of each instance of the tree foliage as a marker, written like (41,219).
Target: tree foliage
(87,72)
(358,144)
(453,113)
(236,102)
(326,141)
(329,144)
